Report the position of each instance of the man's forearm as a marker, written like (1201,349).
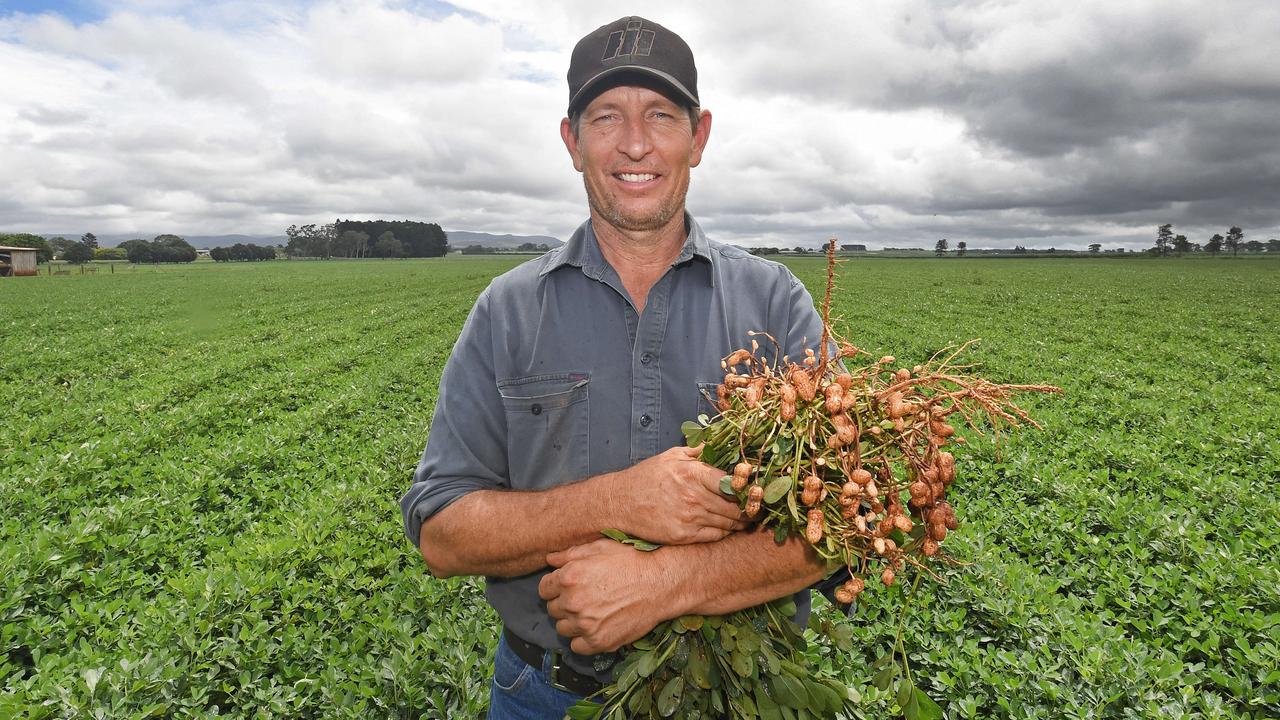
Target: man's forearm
(671,498)
(507,534)
(742,570)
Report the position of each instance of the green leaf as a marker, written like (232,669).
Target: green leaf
(669,698)
(692,622)
(767,708)
(825,696)
(788,691)
(648,663)
(778,487)
(927,709)
(842,636)
(883,679)
(637,543)
(780,535)
(905,689)
(726,486)
(584,710)
(699,668)
(693,433)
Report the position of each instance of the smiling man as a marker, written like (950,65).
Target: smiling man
(559,410)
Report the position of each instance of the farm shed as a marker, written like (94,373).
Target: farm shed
(17,261)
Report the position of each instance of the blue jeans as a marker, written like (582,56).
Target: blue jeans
(520,691)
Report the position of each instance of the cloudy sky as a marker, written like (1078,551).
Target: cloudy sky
(890,123)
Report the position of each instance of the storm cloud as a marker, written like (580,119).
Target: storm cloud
(885,123)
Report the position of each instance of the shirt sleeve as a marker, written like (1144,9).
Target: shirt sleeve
(804,326)
(466,449)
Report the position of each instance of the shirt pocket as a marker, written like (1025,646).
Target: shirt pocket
(548,428)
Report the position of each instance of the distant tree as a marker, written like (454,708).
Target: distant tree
(1214,246)
(962,247)
(419,239)
(1095,247)
(476,250)
(1019,249)
(114,253)
(310,240)
(1254,246)
(352,244)
(78,254)
(137,250)
(60,246)
(1164,238)
(44,251)
(1181,244)
(163,249)
(171,248)
(799,250)
(241,252)
(940,248)
(388,246)
(1235,236)
(90,239)
(1273,246)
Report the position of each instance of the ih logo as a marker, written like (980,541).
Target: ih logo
(633,41)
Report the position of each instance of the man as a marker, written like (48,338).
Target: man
(559,410)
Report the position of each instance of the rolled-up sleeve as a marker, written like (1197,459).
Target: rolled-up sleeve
(466,449)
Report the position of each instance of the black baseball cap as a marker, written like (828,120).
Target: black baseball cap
(631,48)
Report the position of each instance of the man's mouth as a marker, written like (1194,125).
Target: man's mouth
(636,177)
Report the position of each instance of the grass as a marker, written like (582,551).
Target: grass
(201,466)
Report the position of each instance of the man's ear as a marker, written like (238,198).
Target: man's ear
(700,137)
(571,143)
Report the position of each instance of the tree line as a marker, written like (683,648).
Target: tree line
(1167,242)
(242,252)
(367,238)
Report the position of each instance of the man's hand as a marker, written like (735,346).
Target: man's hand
(604,595)
(673,498)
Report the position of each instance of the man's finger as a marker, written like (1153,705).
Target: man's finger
(567,627)
(720,522)
(549,586)
(582,646)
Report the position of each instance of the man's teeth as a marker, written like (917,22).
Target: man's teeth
(637,177)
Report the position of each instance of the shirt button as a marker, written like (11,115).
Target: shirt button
(645,421)
(646,358)
(536,409)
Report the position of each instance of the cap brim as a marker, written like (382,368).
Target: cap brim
(598,84)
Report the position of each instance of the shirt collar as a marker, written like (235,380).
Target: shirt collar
(583,251)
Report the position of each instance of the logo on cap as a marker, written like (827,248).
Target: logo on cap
(634,41)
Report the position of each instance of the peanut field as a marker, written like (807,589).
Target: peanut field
(200,467)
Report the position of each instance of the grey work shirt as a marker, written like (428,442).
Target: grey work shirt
(556,378)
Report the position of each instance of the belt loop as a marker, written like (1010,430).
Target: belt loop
(554,675)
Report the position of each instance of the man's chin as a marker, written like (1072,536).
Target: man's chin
(651,221)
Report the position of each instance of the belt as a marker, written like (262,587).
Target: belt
(562,676)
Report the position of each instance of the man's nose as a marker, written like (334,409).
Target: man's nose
(634,141)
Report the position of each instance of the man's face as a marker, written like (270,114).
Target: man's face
(634,149)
